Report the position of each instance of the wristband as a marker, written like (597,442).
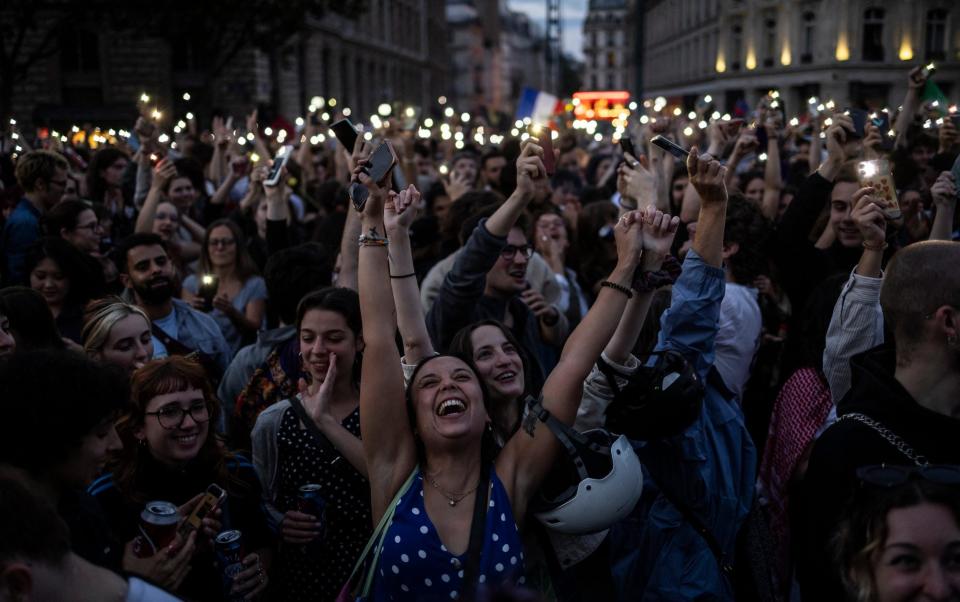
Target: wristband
(551,322)
(372,239)
(410,275)
(871,247)
(626,291)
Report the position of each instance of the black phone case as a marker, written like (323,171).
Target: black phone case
(345,133)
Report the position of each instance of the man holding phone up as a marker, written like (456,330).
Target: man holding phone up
(488,279)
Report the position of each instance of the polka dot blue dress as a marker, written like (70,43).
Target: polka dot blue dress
(415,565)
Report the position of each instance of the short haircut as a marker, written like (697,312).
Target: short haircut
(32,529)
(50,400)
(293,273)
(64,216)
(99,318)
(139,239)
(38,165)
(919,279)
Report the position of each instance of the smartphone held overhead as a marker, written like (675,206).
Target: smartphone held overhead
(877,174)
(279,162)
(671,147)
(381,162)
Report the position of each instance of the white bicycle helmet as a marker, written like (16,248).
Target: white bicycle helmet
(596,483)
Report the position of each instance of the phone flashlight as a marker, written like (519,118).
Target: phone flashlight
(868,169)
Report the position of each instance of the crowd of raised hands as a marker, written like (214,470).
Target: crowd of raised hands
(607,372)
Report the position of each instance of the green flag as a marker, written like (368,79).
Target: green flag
(933,94)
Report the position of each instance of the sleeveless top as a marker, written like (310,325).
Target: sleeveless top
(415,565)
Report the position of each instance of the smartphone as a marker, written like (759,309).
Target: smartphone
(207,290)
(876,173)
(626,145)
(761,134)
(283,155)
(859,117)
(928,70)
(882,121)
(346,133)
(677,151)
(549,158)
(212,498)
(381,162)
(955,118)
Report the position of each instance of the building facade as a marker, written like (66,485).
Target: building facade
(394,51)
(609,45)
(494,52)
(855,52)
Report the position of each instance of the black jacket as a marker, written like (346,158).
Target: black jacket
(848,445)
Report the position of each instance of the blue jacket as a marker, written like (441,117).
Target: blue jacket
(20,231)
(656,554)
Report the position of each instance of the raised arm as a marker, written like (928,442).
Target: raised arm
(351,229)
(772,182)
(911,102)
(857,323)
(398,213)
(388,442)
(526,459)
(944,192)
(162,174)
(658,232)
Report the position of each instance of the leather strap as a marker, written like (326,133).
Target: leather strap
(312,427)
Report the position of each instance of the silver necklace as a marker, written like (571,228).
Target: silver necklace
(452,498)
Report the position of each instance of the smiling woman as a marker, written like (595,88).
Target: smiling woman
(171,454)
(117,333)
(65,279)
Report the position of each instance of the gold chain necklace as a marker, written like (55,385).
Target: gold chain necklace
(454,498)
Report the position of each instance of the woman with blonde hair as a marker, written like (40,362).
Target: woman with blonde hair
(117,333)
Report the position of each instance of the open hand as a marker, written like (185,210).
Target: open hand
(707,177)
(316,396)
(456,185)
(838,134)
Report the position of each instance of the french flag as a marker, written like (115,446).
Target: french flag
(539,106)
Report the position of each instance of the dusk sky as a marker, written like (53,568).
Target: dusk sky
(572,13)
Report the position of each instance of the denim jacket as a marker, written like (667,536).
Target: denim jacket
(655,553)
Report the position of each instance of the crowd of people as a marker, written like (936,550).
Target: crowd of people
(500,372)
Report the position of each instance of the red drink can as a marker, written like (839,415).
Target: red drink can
(158,528)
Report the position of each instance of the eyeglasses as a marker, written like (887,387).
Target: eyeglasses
(886,476)
(171,417)
(222,242)
(509,251)
(92,227)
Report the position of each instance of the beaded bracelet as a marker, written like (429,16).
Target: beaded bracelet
(617,287)
(372,239)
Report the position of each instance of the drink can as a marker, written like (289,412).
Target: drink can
(229,549)
(309,501)
(158,528)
